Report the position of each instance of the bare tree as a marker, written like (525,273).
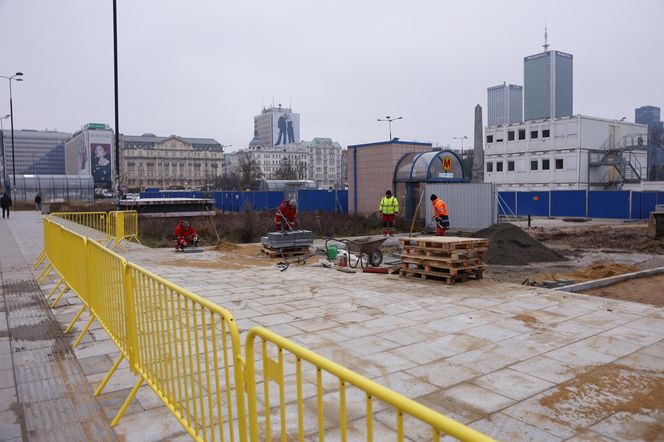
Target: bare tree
(250,171)
(286,171)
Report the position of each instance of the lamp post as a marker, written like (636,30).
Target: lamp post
(2,144)
(389,121)
(11,119)
(117,117)
(461,138)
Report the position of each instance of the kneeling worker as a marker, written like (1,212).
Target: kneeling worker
(286,217)
(388,208)
(185,235)
(440,215)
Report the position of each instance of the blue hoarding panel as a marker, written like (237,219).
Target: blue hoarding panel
(323,200)
(635,210)
(506,203)
(568,203)
(608,204)
(660,197)
(648,202)
(533,203)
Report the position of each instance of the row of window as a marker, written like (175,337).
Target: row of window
(534,165)
(534,134)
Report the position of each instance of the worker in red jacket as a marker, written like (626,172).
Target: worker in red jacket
(185,235)
(286,216)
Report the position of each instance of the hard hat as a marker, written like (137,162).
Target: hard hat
(293,203)
(186,224)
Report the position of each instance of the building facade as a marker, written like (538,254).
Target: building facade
(37,152)
(648,115)
(504,104)
(578,152)
(170,162)
(276,126)
(90,151)
(548,85)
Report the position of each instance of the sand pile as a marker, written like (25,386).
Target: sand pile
(601,270)
(224,246)
(512,246)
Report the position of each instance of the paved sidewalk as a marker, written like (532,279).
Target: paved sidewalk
(518,363)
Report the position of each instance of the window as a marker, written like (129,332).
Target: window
(546,133)
(533,134)
(510,135)
(489,167)
(545,164)
(533,165)
(499,166)
(489,138)
(499,140)
(510,166)
(559,163)
(522,134)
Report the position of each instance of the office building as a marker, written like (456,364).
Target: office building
(548,85)
(37,151)
(504,104)
(648,115)
(90,151)
(170,162)
(578,152)
(276,126)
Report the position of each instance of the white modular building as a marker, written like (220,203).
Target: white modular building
(577,152)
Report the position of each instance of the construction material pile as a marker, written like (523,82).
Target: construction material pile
(447,258)
(512,246)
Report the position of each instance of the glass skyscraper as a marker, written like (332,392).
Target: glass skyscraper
(504,104)
(37,152)
(548,85)
(649,115)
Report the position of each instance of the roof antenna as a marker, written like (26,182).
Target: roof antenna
(545,45)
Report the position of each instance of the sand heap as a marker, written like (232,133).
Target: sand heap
(512,246)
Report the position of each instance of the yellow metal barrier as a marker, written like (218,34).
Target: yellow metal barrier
(93,225)
(309,393)
(122,226)
(188,351)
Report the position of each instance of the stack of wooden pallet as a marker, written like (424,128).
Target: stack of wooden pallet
(284,252)
(445,258)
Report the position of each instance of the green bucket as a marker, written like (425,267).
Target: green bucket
(332,252)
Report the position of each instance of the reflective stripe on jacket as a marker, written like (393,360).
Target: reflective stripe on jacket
(388,206)
(439,208)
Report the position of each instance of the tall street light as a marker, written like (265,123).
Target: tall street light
(2,143)
(117,118)
(11,119)
(389,121)
(461,138)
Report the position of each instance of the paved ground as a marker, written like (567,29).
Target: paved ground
(516,362)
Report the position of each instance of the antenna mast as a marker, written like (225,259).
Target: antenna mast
(545,45)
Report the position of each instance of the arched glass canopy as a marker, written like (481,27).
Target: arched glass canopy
(438,166)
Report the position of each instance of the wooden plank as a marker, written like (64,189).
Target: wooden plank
(448,279)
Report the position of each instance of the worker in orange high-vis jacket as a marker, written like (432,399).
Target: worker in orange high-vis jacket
(440,215)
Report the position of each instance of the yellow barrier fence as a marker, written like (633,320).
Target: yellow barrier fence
(316,397)
(188,351)
(122,226)
(93,225)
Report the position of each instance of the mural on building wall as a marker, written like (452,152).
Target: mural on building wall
(101,163)
(285,128)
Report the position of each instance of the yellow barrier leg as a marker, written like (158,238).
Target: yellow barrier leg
(73,321)
(64,290)
(55,289)
(85,329)
(108,375)
(127,402)
(136,238)
(44,273)
(39,260)
(122,246)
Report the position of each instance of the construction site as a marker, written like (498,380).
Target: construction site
(541,329)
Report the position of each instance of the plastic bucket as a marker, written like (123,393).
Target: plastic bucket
(332,252)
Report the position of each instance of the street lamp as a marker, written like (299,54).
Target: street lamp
(2,144)
(389,121)
(11,119)
(461,138)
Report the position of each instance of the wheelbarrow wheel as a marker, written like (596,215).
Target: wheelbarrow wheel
(376,258)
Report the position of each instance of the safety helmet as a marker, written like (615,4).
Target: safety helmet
(292,203)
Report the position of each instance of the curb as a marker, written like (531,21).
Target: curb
(610,280)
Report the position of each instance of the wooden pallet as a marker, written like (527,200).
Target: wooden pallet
(470,263)
(435,276)
(287,252)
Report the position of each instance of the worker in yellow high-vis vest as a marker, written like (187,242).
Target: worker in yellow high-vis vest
(388,208)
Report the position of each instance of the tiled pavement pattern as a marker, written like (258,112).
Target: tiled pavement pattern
(47,396)
(517,363)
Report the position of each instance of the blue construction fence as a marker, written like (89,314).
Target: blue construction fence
(618,204)
(308,200)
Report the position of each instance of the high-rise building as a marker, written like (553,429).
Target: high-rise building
(276,126)
(649,115)
(37,152)
(504,104)
(548,84)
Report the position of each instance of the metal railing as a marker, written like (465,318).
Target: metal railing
(188,351)
(122,226)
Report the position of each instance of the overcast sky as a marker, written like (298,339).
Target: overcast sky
(204,68)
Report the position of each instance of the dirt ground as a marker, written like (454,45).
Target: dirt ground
(648,290)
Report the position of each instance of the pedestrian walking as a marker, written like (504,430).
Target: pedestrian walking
(5,203)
